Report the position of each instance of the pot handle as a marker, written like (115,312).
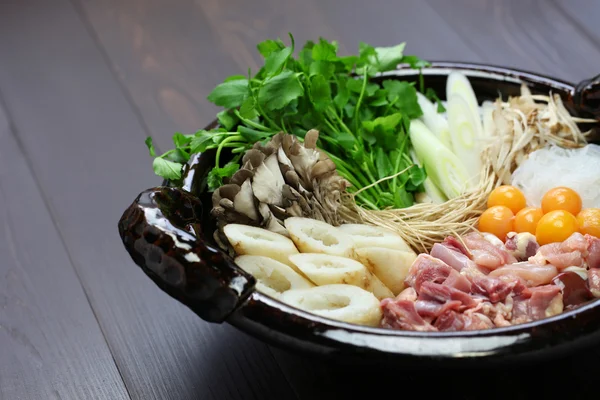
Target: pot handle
(161,231)
(586,98)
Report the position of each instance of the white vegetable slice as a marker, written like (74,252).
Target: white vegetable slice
(466,134)
(434,120)
(364,235)
(325,269)
(458,84)
(273,278)
(464,121)
(433,194)
(255,241)
(443,167)
(390,266)
(340,302)
(312,236)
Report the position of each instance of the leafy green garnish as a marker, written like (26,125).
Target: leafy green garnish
(278,91)
(150,146)
(167,169)
(230,94)
(363,120)
(216,175)
(388,58)
(431,95)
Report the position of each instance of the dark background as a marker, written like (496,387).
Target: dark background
(81,85)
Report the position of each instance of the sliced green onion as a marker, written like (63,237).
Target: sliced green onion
(443,167)
(433,120)
(431,190)
(458,83)
(466,136)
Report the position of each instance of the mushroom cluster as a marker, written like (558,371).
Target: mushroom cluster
(281,179)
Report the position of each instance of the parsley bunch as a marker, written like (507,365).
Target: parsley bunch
(363,124)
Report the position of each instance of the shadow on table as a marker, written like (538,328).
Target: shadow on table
(575,374)
(237,366)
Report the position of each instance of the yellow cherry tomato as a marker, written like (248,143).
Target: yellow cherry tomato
(508,196)
(527,219)
(589,221)
(561,198)
(556,226)
(497,220)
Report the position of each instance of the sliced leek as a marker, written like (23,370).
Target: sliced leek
(464,121)
(458,83)
(433,194)
(466,135)
(434,120)
(443,167)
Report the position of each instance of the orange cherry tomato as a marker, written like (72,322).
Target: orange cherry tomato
(589,221)
(497,220)
(508,196)
(561,198)
(527,219)
(556,226)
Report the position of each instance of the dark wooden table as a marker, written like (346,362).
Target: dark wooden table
(83,82)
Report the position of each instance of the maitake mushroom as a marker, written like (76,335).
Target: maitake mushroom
(284,178)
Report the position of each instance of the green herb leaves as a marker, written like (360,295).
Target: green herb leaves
(387,58)
(150,146)
(167,169)
(431,95)
(363,123)
(320,92)
(278,91)
(169,165)
(216,175)
(230,94)
(162,165)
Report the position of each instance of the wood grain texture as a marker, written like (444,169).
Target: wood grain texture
(435,30)
(583,16)
(532,34)
(165,53)
(86,81)
(86,148)
(51,346)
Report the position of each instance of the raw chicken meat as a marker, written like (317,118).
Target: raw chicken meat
(486,254)
(483,284)
(521,245)
(532,274)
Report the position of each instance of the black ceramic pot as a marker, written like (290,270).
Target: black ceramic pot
(168,233)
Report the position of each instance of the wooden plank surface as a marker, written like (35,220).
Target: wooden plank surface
(86,81)
(432,30)
(51,346)
(85,144)
(583,17)
(166,53)
(534,35)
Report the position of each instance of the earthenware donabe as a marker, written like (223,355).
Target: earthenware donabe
(183,260)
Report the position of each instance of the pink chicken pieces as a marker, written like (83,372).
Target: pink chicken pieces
(478,283)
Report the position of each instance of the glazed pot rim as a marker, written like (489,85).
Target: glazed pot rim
(486,71)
